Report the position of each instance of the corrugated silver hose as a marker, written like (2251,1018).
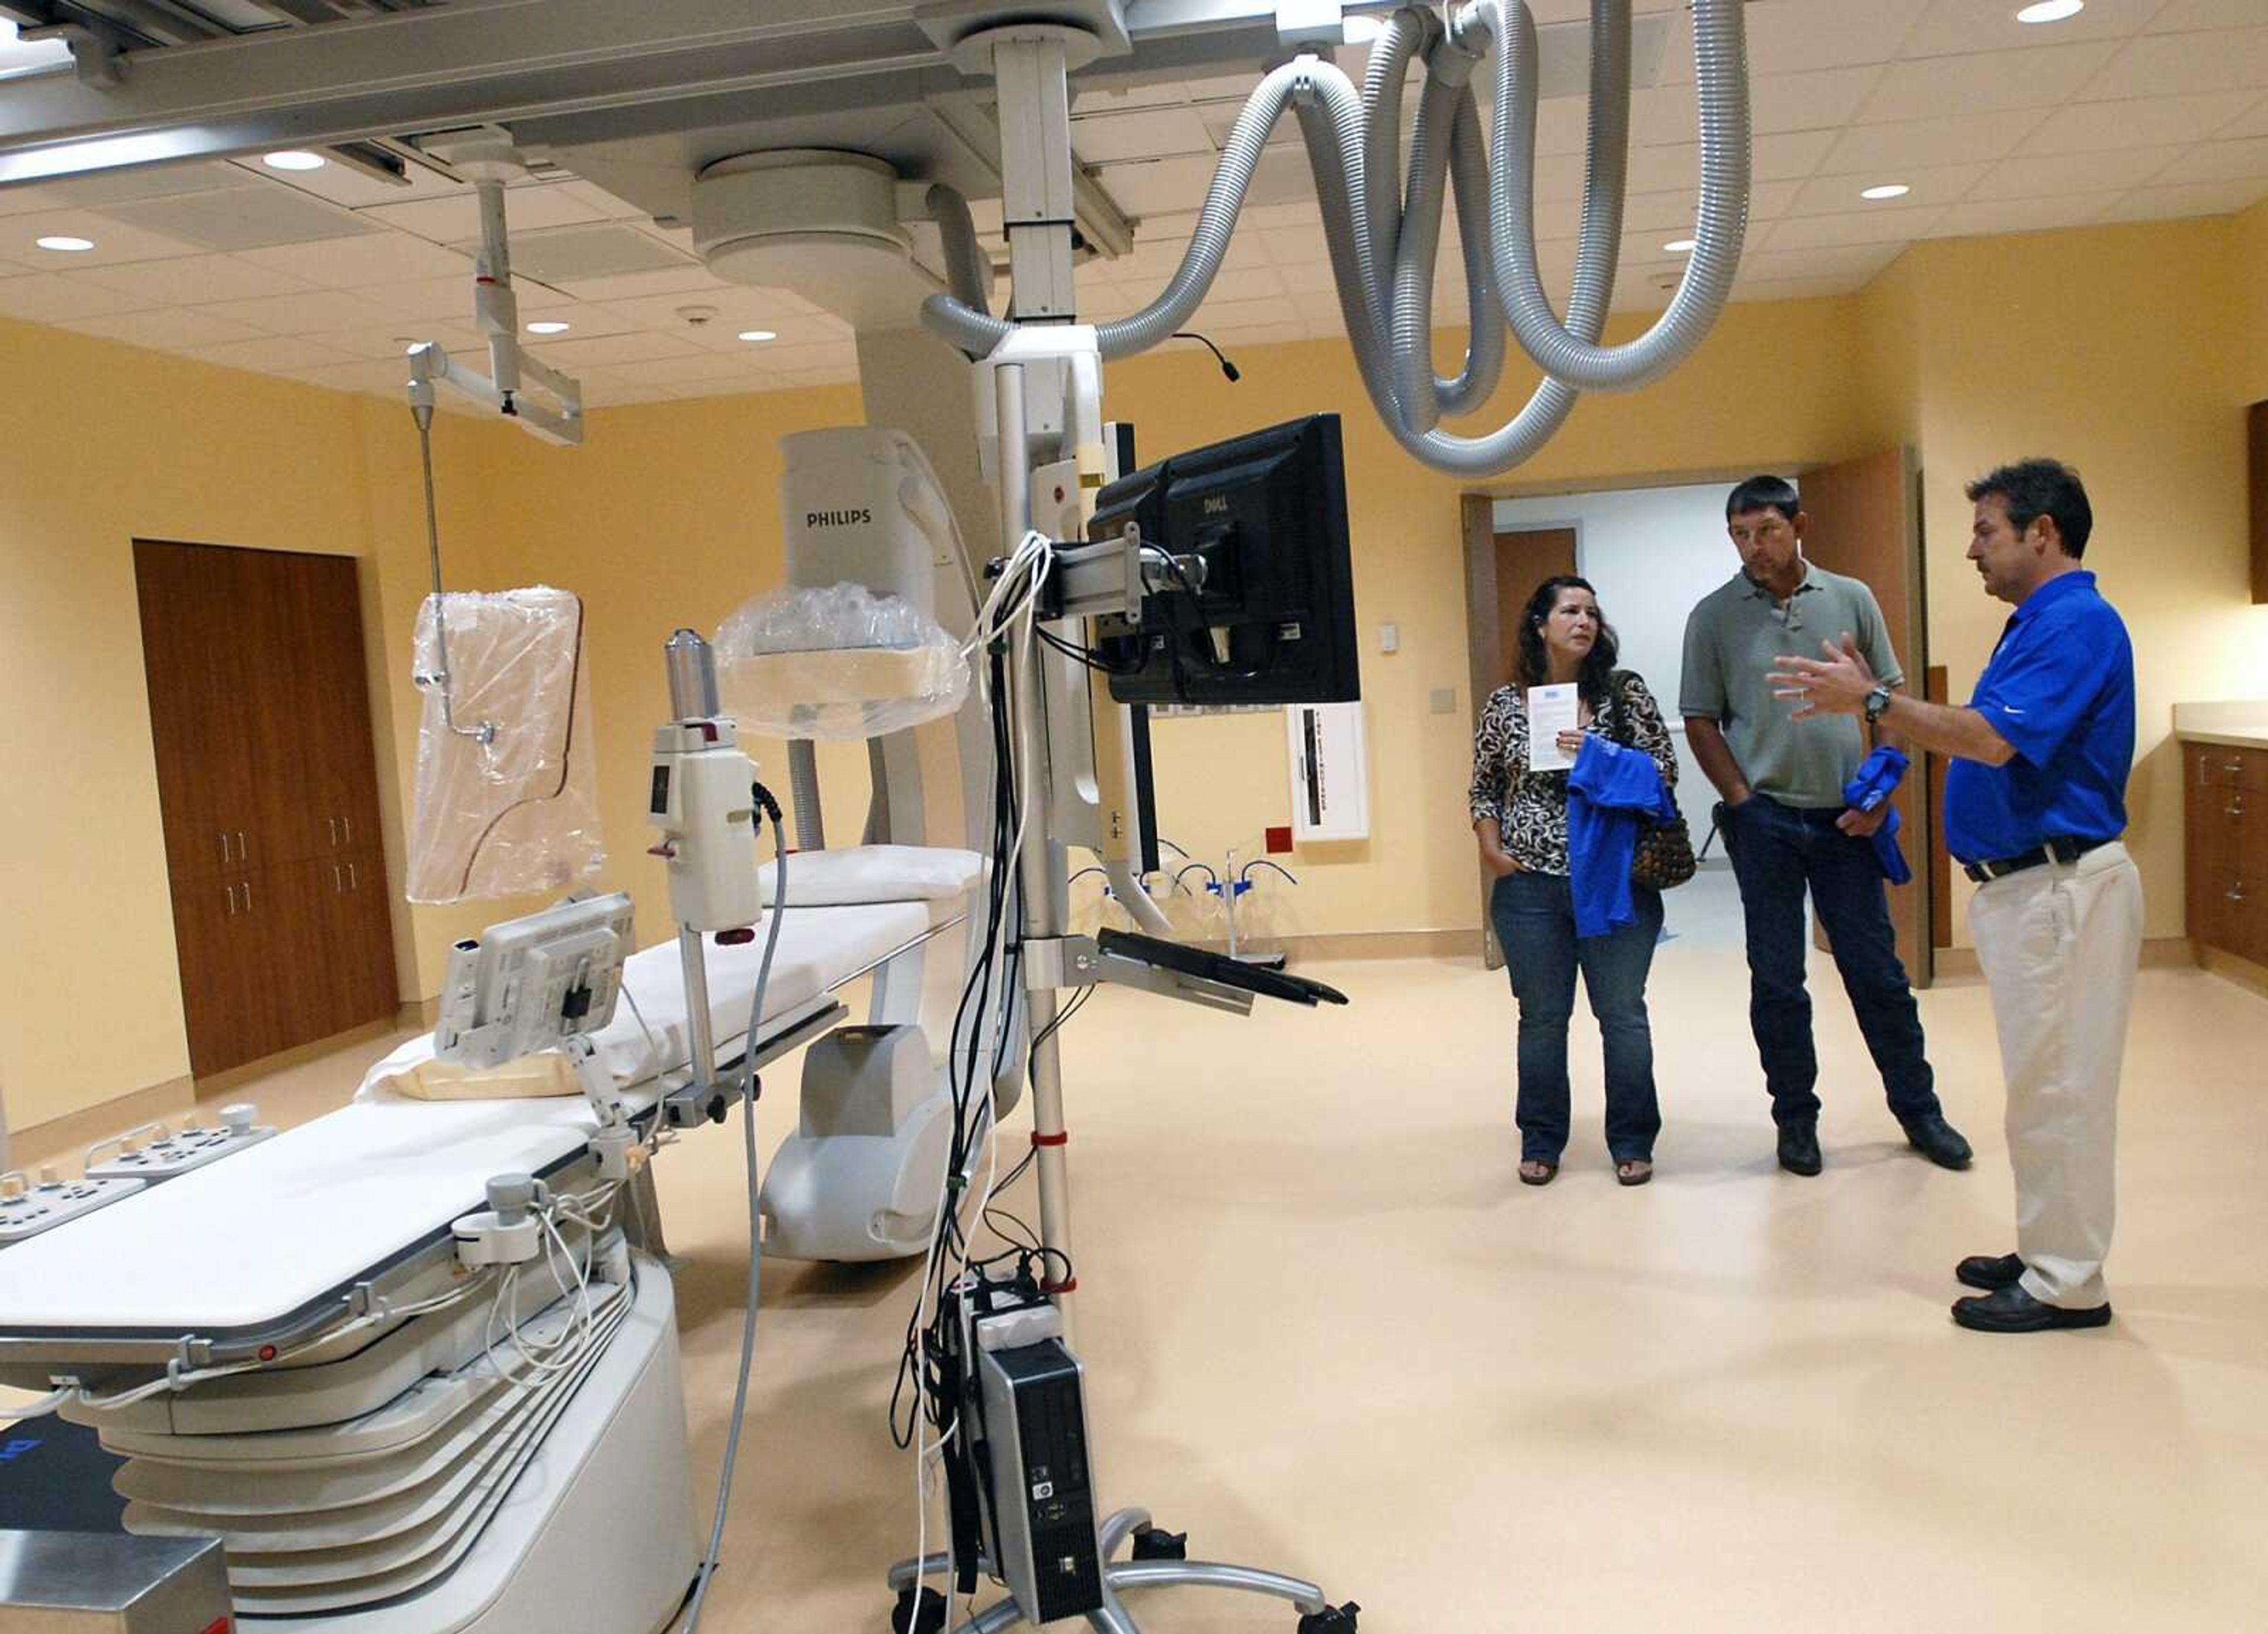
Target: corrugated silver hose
(1720,71)
(966,268)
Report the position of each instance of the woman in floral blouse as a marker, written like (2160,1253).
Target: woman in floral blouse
(1521,818)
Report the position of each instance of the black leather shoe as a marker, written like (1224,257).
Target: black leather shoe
(1799,1148)
(1990,1272)
(1937,1140)
(2012,1310)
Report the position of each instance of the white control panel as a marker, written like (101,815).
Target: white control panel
(28,1207)
(153,1153)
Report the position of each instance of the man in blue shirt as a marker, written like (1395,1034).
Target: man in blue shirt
(2035,805)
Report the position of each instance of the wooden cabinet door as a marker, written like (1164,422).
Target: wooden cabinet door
(221,926)
(364,939)
(345,760)
(200,729)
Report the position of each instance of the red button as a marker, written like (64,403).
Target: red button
(735,939)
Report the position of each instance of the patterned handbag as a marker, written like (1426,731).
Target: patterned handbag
(1663,858)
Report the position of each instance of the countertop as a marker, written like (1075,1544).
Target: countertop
(2239,724)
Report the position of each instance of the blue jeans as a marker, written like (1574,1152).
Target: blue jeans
(1535,920)
(1778,852)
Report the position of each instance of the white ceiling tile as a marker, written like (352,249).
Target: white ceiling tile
(2144,121)
(1884,226)
(28,202)
(1289,247)
(1262,284)
(1796,36)
(665,371)
(43,298)
(387,379)
(386,342)
(2214,198)
(172,330)
(115,241)
(1152,133)
(276,354)
(1938,184)
(1164,93)
(1788,158)
(2217,161)
(1238,314)
(631,285)
(1563,124)
(99,189)
(303,314)
(2166,65)
(1825,101)
(1887,148)
(2254,123)
(1156,186)
(448,299)
(456,220)
(2184,15)
(1308,278)
(611,395)
(805,359)
(209,277)
(1316,307)
(1961,27)
(360,262)
(242,218)
(2042,175)
(1858,262)
(1952,87)
(639,346)
(1990,218)
(1768,200)
(601,202)
(1657,213)
(1794,289)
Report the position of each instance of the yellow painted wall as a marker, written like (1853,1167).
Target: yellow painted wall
(2128,350)
(2117,349)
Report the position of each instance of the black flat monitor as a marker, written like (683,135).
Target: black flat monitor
(1268,616)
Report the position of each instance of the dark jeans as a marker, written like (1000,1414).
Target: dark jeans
(1778,852)
(1535,920)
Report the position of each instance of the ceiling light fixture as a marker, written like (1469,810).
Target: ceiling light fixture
(65,243)
(294,158)
(1889,190)
(549,325)
(1679,246)
(759,335)
(2050,11)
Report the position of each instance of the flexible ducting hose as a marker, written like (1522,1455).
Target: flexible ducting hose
(1384,234)
(967,271)
(803,794)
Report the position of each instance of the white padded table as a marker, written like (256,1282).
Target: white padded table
(248,1242)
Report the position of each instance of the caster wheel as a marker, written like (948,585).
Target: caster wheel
(922,1615)
(1150,1543)
(1331,1619)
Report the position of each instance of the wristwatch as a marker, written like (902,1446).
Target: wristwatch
(1877,701)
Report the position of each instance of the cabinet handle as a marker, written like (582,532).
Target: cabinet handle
(231,901)
(2235,893)
(240,852)
(334,831)
(2237,805)
(335,883)
(248,896)
(347,823)
(2233,768)
(224,848)
(354,882)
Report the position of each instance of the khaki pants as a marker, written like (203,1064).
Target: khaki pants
(2059,945)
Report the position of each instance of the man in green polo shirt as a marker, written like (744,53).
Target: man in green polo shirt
(1789,827)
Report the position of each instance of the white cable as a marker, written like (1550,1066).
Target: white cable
(708,1562)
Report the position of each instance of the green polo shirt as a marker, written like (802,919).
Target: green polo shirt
(1732,638)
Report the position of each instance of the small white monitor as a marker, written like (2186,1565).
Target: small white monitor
(532,983)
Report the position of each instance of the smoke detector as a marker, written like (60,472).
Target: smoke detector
(698,315)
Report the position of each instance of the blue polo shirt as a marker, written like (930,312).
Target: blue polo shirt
(2060,688)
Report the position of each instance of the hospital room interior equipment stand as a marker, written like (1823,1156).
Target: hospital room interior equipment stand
(1051,959)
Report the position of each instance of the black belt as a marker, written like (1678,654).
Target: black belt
(2060,850)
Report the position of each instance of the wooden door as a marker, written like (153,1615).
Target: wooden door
(1525,558)
(1866,523)
(262,716)
(200,733)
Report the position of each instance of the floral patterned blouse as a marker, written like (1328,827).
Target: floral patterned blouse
(1530,807)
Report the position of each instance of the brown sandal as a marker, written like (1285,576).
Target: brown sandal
(1634,1172)
(1537,1172)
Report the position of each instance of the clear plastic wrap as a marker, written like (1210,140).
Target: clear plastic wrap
(507,778)
(837,662)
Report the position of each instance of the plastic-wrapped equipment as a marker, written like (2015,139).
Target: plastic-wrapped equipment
(507,779)
(837,662)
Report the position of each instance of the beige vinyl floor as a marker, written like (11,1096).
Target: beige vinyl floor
(1325,1331)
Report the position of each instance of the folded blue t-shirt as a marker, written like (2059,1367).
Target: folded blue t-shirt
(1610,792)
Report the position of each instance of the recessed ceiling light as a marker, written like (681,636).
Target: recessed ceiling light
(65,243)
(2050,11)
(1678,247)
(1892,190)
(549,325)
(759,335)
(294,158)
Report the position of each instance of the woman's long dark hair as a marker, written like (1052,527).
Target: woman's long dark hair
(1532,667)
